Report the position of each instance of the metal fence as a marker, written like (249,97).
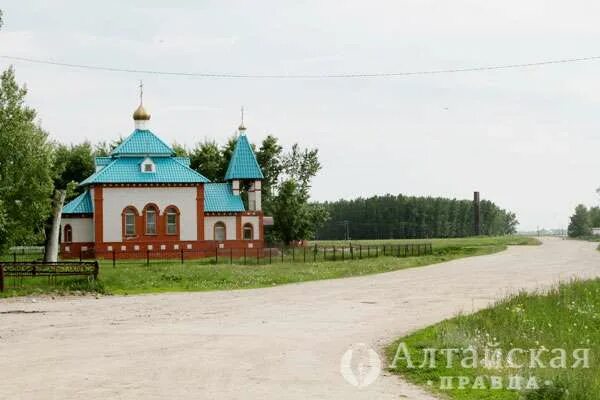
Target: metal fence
(269,255)
(244,256)
(31,269)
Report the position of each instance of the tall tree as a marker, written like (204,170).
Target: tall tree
(207,159)
(269,159)
(580,222)
(180,150)
(25,166)
(72,164)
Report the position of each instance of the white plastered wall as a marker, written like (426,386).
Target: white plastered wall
(254,221)
(116,199)
(82,229)
(209,224)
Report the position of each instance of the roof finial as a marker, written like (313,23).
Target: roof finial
(242,127)
(140,114)
(141,86)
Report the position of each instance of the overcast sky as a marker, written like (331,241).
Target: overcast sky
(528,139)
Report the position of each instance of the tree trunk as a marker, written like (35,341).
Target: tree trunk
(52,244)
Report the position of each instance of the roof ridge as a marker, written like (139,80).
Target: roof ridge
(100,172)
(175,158)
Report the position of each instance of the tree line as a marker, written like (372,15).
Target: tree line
(399,216)
(583,220)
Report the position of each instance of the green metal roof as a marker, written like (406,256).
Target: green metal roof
(142,142)
(243,164)
(219,197)
(128,170)
(81,204)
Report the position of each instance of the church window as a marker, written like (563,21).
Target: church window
(150,221)
(220,231)
(68,234)
(129,222)
(171,221)
(248,232)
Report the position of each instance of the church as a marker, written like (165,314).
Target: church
(142,197)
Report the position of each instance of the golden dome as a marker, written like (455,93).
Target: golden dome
(140,114)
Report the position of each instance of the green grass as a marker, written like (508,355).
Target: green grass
(567,316)
(130,277)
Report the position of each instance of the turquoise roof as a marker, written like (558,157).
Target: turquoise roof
(81,204)
(243,164)
(142,142)
(184,160)
(219,197)
(128,170)
(103,161)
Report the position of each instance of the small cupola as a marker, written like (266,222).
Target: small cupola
(140,115)
(147,166)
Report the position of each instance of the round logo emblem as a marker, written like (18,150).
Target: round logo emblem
(360,365)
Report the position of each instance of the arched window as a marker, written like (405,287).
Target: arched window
(68,234)
(248,232)
(172,220)
(129,221)
(151,217)
(220,231)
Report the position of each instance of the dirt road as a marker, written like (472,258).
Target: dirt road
(283,342)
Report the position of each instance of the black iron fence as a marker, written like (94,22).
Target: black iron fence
(18,270)
(269,255)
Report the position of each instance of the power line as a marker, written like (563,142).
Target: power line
(301,76)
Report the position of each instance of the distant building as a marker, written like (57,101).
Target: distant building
(596,231)
(142,197)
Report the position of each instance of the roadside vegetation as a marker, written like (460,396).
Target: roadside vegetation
(565,317)
(171,276)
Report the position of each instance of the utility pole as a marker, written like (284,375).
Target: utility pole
(476,214)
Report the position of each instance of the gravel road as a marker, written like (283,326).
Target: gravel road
(283,342)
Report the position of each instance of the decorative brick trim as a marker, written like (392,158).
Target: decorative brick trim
(98,215)
(83,215)
(238,227)
(200,212)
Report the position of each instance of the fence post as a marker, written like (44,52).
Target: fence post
(147,257)
(96,270)
(181,250)
(293,253)
(315,253)
(384,250)
(282,253)
(216,254)
(304,254)
(270,255)
(376,251)
(80,251)
(343,254)
(114,258)
(1,278)
(360,251)
(231,255)
(257,257)
(334,253)
(368,251)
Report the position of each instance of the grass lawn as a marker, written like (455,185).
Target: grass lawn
(566,317)
(170,276)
